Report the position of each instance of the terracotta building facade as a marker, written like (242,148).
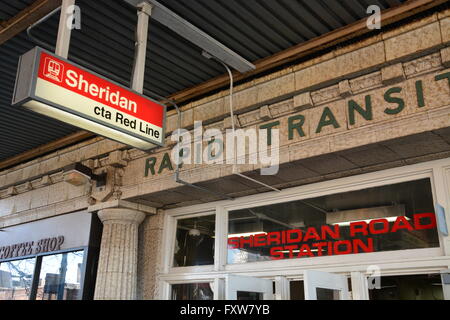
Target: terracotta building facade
(362,191)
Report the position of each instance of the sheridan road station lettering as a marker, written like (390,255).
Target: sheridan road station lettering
(328,240)
(90,96)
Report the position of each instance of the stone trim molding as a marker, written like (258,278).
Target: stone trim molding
(123,205)
(121,216)
(44,212)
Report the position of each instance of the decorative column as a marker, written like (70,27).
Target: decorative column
(117,268)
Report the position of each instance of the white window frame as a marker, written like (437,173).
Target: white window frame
(400,262)
(234,284)
(171,226)
(167,285)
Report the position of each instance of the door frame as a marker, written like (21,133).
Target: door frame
(235,283)
(314,279)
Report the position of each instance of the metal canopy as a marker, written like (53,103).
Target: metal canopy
(253,29)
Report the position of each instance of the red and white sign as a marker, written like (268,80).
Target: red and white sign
(91,97)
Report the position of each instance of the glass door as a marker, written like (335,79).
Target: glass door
(247,288)
(325,286)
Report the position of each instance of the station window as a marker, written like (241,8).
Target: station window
(393,217)
(194,243)
(410,287)
(192,291)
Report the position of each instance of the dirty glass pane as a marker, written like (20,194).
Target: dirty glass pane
(387,218)
(16,278)
(194,242)
(410,287)
(246,295)
(192,291)
(327,294)
(60,277)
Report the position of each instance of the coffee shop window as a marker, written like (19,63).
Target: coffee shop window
(49,277)
(194,241)
(387,218)
(60,277)
(16,279)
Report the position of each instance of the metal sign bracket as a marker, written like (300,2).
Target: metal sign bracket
(138,75)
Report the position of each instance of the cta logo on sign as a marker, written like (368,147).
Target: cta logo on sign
(53,69)
(72,94)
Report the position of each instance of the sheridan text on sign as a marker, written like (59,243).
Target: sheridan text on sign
(88,94)
(59,89)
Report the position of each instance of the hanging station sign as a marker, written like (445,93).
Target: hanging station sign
(57,88)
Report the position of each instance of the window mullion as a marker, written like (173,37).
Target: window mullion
(220,252)
(440,197)
(35,281)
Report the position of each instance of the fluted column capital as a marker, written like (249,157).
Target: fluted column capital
(121,216)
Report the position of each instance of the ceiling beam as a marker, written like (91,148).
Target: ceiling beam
(26,17)
(389,16)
